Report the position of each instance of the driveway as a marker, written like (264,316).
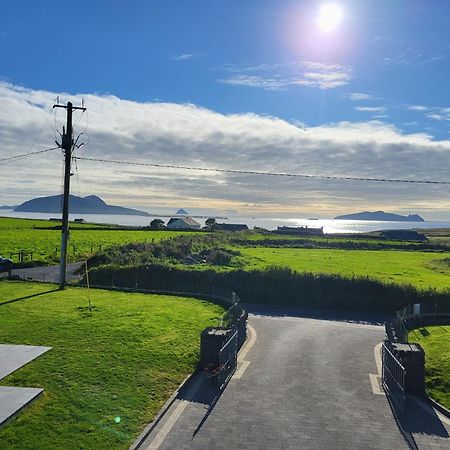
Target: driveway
(49,274)
(304,383)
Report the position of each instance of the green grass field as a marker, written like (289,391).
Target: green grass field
(436,343)
(420,269)
(19,234)
(107,373)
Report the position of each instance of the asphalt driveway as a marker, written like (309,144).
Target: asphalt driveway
(49,274)
(303,384)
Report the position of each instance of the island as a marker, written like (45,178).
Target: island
(381,216)
(77,205)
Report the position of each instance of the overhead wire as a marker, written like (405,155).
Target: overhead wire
(25,155)
(274,174)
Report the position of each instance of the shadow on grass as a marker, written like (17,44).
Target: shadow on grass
(6,302)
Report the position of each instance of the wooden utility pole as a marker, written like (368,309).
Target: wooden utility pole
(67,146)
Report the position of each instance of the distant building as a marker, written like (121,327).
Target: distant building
(230,227)
(300,231)
(403,235)
(182,223)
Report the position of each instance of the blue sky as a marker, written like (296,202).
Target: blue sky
(385,67)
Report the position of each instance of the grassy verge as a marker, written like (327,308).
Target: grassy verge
(436,343)
(108,372)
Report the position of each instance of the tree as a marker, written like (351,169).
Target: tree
(156,224)
(209,223)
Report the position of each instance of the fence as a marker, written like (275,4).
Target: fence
(227,360)
(393,378)
(227,319)
(22,256)
(415,316)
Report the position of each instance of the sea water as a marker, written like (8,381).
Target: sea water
(329,225)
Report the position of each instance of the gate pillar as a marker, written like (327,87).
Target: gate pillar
(412,358)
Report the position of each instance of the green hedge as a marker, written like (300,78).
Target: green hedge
(275,285)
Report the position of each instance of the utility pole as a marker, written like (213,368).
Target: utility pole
(67,144)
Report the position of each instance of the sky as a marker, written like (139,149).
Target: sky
(263,85)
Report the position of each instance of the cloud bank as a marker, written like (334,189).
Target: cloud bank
(186,134)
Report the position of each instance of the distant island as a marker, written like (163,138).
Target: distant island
(381,216)
(77,205)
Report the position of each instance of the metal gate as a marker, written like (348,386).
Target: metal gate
(227,360)
(393,377)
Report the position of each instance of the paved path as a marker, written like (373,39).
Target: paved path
(306,386)
(14,399)
(48,274)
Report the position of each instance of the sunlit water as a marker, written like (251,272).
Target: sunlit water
(329,225)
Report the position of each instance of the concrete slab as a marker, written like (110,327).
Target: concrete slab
(12,357)
(14,399)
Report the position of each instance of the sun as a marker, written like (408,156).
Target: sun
(330,15)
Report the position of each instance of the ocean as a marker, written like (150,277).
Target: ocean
(329,225)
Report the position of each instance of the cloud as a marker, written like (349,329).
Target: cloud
(189,135)
(436,116)
(270,84)
(358,96)
(417,108)
(398,52)
(284,75)
(371,109)
(182,57)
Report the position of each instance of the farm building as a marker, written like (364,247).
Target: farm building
(230,227)
(304,231)
(182,223)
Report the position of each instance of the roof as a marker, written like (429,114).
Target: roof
(230,227)
(182,222)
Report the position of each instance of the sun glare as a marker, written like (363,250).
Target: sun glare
(330,15)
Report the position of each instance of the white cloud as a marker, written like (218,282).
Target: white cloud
(270,84)
(182,57)
(358,96)
(417,108)
(185,134)
(283,75)
(438,117)
(371,109)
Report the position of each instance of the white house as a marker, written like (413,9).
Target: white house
(182,223)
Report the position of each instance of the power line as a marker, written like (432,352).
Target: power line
(275,174)
(24,155)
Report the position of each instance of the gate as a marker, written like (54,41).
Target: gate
(227,360)
(393,377)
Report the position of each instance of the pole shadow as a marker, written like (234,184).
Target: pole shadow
(6,302)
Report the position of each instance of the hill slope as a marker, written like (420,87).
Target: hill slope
(78,205)
(381,216)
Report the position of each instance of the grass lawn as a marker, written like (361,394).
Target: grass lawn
(420,269)
(19,234)
(108,372)
(436,343)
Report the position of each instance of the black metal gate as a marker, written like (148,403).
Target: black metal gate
(393,377)
(227,360)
